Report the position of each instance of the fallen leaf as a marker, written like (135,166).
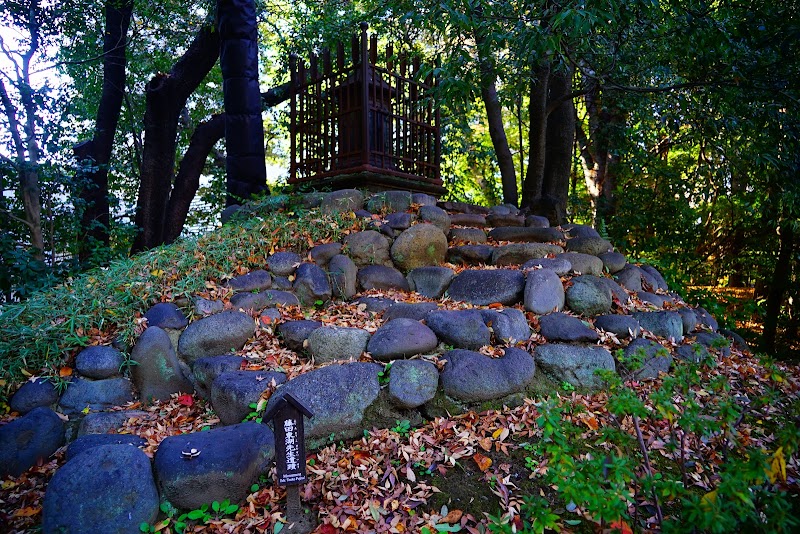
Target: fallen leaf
(620,526)
(186,400)
(484,462)
(454,516)
(65,371)
(28,511)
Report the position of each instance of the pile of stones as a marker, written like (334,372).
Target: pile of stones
(537,302)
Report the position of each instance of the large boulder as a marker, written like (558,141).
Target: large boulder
(562,327)
(96,395)
(644,358)
(483,287)
(311,284)
(412,383)
(390,201)
(89,441)
(157,372)
(462,329)
(583,263)
(519,253)
(368,248)
(28,439)
(401,338)
(338,395)
(435,216)
(283,263)
(613,262)
(467,235)
(166,315)
(544,292)
(666,324)
(509,326)
(233,392)
(225,463)
(573,364)
(430,281)
(342,201)
(381,277)
(330,343)
(342,273)
(293,334)
(470,254)
(622,326)
(32,394)
(417,311)
(473,377)
(589,245)
(322,254)
(206,370)
(216,334)
(588,296)
(100,362)
(109,488)
(560,266)
(422,244)
(257,280)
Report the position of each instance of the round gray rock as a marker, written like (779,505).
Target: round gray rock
(265,299)
(463,329)
(622,326)
(689,319)
(230,460)
(422,244)
(588,296)
(331,343)
(583,263)
(483,287)
(105,422)
(412,383)
(467,235)
(206,370)
(509,326)
(293,334)
(215,335)
(368,248)
(344,200)
(560,266)
(430,281)
(613,262)
(646,358)
(32,394)
(234,391)
(342,273)
(473,377)
(537,221)
(589,245)
(666,324)
(28,439)
(435,216)
(417,311)
(562,327)
(166,315)
(337,395)
(252,281)
(158,372)
(109,488)
(322,254)
(423,199)
(470,254)
(544,292)
(97,395)
(99,361)
(381,277)
(311,285)
(89,441)
(519,253)
(401,338)
(574,364)
(389,200)
(283,263)
(526,234)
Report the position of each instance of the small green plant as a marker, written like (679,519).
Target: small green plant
(402,427)
(383,376)
(256,411)
(537,518)
(566,386)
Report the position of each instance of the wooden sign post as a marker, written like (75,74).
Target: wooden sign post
(290,457)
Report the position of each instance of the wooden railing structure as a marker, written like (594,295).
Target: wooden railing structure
(368,122)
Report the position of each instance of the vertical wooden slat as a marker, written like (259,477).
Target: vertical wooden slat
(364,96)
(293,117)
(340,56)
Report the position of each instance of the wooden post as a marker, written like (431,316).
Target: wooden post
(365,112)
(290,458)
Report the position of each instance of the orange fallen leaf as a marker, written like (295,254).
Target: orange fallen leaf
(495,306)
(28,511)
(65,371)
(484,462)
(454,516)
(485,444)
(620,526)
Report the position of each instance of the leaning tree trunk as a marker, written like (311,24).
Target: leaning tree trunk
(244,131)
(166,96)
(95,154)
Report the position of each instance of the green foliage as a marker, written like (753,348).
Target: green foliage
(383,376)
(402,427)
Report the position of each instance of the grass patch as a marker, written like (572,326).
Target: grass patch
(39,334)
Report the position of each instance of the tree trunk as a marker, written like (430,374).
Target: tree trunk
(166,96)
(780,283)
(244,130)
(95,154)
(537,136)
(187,180)
(560,142)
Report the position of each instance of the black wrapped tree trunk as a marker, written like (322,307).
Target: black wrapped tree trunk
(244,131)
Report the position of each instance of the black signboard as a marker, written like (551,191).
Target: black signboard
(290,448)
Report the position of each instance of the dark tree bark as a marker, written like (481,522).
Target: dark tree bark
(244,131)
(596,150)
(166,95)
(95,154)
(780,284)
(187,180)
(550,138)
